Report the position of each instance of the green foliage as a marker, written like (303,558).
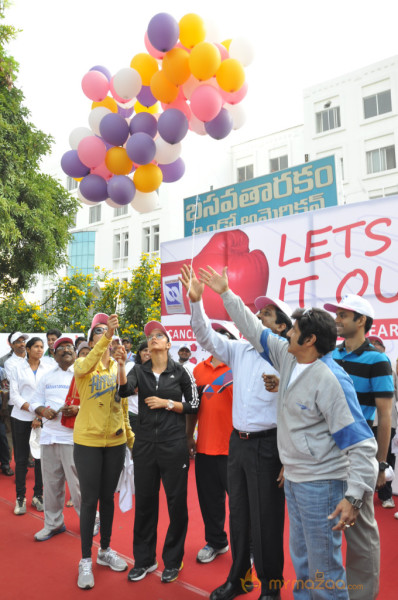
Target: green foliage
(74,302)
(35,210)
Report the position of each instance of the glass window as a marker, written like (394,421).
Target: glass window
(381,159)
(120,210)
(278,163)
(378,104)
(94,214)
(71,184)
(82,252)
(328,119)
(150,239)
(245,173)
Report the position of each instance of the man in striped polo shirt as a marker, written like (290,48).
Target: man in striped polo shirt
(371,374)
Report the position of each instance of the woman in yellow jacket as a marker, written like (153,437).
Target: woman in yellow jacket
(101,432)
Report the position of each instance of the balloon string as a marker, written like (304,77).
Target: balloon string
(193,241)
(117,333)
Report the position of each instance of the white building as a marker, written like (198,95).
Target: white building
(353,117)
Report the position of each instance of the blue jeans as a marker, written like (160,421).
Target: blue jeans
(314,548)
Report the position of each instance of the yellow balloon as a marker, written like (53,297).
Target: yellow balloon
(227,43)
(204,60)
(117,161)
(146,65)
(78,178)
(152,110)
(147,178)
(176,66)
(230,75)
(108,102)
(162,88)
(192,30)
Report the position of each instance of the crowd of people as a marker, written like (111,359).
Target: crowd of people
(281,414)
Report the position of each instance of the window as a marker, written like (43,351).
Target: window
(382,159)
(94,214)
(245,173)
(82,252)
(378,104)
(71,184)
(328,119)
(120,210)
(121,245)
(278,163)
(150,239)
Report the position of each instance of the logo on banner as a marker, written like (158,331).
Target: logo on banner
(172,293)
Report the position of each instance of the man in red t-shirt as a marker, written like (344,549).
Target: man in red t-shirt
(214,381)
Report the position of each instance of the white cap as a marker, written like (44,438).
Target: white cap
(354,303)
(263,301)
(15,336)
(184,346)
(228,326)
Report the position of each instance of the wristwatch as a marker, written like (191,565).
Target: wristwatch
(170,405)
(356,502)
(383,466)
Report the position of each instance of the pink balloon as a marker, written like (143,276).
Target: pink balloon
(223,51)
(206,102)
(102,171)
(234,97)
(95,85)
(91,151)
(197,126)
(181,105)
(152,51)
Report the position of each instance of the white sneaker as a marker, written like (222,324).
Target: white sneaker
(85,581)
(208,554)
(388,503)
(96,524)
(20,506)
(109,558)
(37,503)
(396,515)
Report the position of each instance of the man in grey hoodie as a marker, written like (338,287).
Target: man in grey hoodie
(324,442)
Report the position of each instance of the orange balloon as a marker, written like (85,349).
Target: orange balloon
(117,161)
(162,88)
(146,65)
(176,66)
(204,60)
(147,178)
(192,30)
(230,75)
(108,102)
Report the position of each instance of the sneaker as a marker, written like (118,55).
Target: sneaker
(96,524)
(37,502)
(170,575)
(45,534)
(109,558)
(85,581)
(20,506)
(396,515)
(388,503)
(7,471)
(138,573)
(207,554)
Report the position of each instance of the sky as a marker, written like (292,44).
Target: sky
(297,44)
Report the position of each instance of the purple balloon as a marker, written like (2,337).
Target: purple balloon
(102,70)
(94,188)
(72,165)
(172,125)
(145,96)
(141,148)
(125,112)
(219,127)
(121,189)
(114,129)
(144,122)
(173,171)
(163,32)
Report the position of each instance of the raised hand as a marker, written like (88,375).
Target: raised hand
(113,324)
(218,283)
(193,286)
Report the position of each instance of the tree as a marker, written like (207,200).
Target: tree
(35,210)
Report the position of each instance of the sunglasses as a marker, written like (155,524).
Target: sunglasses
(158,336)
(65,347)
(98,330)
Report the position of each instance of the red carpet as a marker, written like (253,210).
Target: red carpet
(40,571)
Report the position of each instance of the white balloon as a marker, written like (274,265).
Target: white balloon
(212,31)
(237,113)
(110,202)
(166,153)
(241,49)
(127,83)
(95,117)
(77,135)
(144,203)
(83,199)
(196,125)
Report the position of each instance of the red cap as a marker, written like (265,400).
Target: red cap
(62,340)
(151,325)
(99,318)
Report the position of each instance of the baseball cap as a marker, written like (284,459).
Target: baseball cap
(151,325)
(63,340)
(354,303)
(15,336)
(375,338)
(228,326)
(81,346)
(184,346)
(263,301)
(99,318)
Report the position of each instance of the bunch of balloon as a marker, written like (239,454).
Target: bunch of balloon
(186,81)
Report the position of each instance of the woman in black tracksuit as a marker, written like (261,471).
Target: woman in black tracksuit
(160,452)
